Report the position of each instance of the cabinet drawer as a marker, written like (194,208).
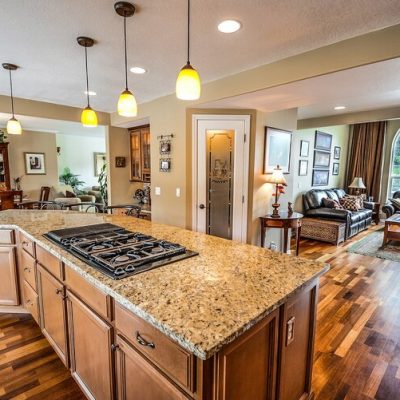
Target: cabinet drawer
(7,236)
(28,268)
(50,262)
(27,244)
(171,358)
(92,296)
(31,301)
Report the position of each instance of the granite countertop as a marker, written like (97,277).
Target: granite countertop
(203,302)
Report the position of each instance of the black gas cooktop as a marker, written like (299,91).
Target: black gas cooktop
(116,251)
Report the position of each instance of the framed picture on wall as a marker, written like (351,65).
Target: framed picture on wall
(336,152)
(322,159)
(99,162)
(35,164)
(277,147)
(303,167)
(320,177)
(120,162)
(304,148)
(335,168)
(323,141)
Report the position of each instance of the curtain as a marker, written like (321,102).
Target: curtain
(366,156)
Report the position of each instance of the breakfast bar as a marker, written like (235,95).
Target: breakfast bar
(232,321)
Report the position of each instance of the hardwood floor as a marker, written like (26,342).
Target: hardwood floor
(357,351)
(29,368)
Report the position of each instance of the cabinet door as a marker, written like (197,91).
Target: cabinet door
(8,273)
(138,379)
(145,141)
(136,156)
(90,350)
(53,312)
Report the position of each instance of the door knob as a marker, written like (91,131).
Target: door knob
(202,206)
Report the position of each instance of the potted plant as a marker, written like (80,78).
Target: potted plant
(68,178)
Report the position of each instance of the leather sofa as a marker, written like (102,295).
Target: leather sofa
(356,221)
(389,209)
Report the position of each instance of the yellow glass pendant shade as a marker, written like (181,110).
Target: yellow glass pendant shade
(188,85)
(14,127)
(127,106)
(89,117)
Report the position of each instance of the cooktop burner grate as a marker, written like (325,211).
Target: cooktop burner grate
(117,252)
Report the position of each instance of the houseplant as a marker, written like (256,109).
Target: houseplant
(68,178)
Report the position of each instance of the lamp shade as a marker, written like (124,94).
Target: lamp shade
(188,85)
(357,184)
(276,177)
(89,117)
(14,127)
(127,106)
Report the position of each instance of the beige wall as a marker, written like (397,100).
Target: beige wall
(40,142)
(340,137)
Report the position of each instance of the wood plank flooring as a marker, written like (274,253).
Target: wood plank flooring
(357,351)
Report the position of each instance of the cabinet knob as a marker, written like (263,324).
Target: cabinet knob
(114,347)
(144,342)
(25,244)
(58,291)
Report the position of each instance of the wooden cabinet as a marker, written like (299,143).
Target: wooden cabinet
(138,379)
(53,312)
(8,277)
(4,167)
(140,153)
(90,341)
(31,301)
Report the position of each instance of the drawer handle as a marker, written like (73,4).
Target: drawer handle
(25,244)
(27,269)
(59,291)
(29,302)
(144,342)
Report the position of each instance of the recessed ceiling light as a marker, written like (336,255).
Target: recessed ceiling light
(90,93)
(339,108)
(138,70)
(229,26)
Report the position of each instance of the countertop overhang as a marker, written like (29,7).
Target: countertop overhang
(203,302)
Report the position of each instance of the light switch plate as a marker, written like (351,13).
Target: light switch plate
(178,192)
(157,191)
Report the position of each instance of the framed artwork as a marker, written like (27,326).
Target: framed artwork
(304,148)
(303,167)
(335,168)
(120,162)
(320,177)
(323,141)
(165,165)
(35,163)
(277,147)
(336,152)
(165,147)
(99,162)
(322,159)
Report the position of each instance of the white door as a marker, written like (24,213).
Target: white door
(220,175)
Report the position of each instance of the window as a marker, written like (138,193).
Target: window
(394,181)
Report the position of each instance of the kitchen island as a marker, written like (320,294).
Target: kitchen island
(234,322)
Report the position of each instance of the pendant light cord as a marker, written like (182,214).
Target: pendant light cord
(87,77)
(126,57)
(12,97)
(188,33)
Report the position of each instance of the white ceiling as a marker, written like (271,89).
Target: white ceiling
(40,36)
(54,126)
(359,89)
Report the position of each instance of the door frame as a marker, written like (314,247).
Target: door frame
(245,118)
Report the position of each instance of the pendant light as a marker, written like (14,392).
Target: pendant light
(88,116)
(127,106)
(188,85)
(13,125)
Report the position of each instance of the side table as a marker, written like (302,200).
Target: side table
(285,222)
(376,213)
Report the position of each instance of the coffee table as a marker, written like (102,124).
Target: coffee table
(392,229)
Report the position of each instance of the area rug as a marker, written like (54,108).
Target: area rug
(371,246)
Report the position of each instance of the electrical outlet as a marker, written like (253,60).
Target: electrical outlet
(157,191)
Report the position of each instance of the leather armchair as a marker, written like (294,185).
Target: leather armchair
(356,221)
(389,209)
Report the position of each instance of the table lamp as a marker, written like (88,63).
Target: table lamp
(278,180)
(357,184)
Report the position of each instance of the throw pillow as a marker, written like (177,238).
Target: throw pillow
(351,203)
(330,203)
(69,194)
(396,203)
